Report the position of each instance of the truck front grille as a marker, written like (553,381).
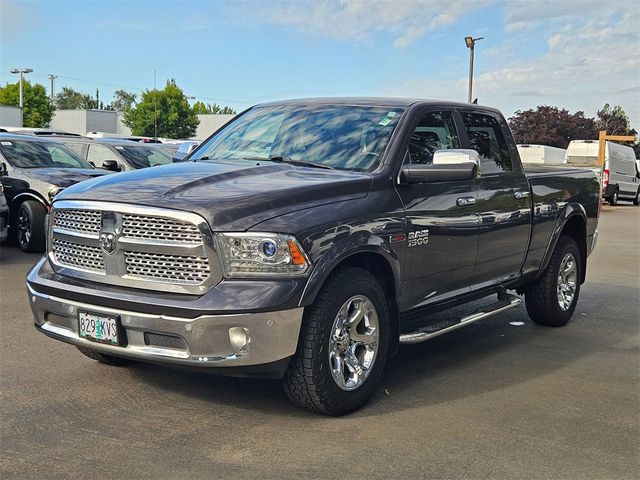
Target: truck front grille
(169,268)
(139,247)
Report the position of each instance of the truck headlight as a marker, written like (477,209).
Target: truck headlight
(261,254)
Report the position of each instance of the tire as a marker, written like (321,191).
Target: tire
(102,358)
(613,199)
(542,297)
(29,227)
(636,199)
(313,380)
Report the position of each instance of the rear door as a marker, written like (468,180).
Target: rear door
(503,199)
(441,219)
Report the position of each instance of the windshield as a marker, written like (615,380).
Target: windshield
(34,154)
(343,137)
(143,156)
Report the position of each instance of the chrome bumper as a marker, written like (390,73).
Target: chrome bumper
(203,341)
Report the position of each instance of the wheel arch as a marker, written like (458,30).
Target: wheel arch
(572,222)
(22,197)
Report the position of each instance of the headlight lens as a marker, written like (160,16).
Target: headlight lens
(54,191)
(261,254)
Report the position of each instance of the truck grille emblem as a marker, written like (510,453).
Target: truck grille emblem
(108,242)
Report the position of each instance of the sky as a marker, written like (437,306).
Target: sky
(573,54)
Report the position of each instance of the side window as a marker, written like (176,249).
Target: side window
(99,153)
(76,147)
(436,131)
(485,137)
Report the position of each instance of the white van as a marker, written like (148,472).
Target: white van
(620,178)
(541,154)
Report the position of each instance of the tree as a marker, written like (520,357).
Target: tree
(122,100)
(37,109)
(200,108)
(551,126)
(70,99)
(616,122)
(168,109)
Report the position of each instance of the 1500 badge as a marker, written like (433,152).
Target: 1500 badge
(419,237)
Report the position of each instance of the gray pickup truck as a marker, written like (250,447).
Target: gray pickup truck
(308,239)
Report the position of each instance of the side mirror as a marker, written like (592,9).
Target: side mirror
(92,164)
(447,166)
(111,165)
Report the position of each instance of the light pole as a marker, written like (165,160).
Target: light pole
(52,79)
(21,71)
(471,43)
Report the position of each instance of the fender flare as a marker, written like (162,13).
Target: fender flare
(570,211)
(360,242)
(23,196)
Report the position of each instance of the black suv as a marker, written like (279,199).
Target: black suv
(32,171)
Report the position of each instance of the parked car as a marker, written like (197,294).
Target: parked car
(4,215)
(541,154)
(185,149)
(309,238)
(33,170)
(619,175)
(117,155)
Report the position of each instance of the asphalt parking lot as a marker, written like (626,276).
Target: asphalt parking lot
(494,400)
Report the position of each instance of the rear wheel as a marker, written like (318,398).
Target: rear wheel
(636,199)
(613,199)
(29,229)
(102,358)
(342,347)
(552,298)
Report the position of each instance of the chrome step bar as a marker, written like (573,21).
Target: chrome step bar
(506,301)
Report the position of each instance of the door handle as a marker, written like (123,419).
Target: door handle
(521,194)
(462,201)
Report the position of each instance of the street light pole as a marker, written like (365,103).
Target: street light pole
(471,43)
(21,71)
(52,79)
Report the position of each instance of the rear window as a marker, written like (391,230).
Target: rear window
(34,154)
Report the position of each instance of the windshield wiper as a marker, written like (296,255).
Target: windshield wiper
(289,160)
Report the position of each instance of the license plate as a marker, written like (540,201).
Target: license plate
(99,327)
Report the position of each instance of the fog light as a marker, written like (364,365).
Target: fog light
(238,338)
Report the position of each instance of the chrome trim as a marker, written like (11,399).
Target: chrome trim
(115,272)
(272,335)
(420,336)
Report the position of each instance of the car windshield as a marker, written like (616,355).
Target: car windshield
(40,154)
(141,156)
(342,137)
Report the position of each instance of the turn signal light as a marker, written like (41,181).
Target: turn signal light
(297,258)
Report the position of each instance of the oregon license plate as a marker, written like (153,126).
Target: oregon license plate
(99,327)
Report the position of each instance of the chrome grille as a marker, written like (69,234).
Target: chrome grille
(141,247)
(170,268)
(81,221)
(77,255)
(159,228)
(60,321)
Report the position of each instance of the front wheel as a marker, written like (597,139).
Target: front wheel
(30,232)
(342,347)
(552,298)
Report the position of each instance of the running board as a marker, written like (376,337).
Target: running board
(506,302)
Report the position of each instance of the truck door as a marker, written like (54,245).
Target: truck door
(503,200)
(441,220)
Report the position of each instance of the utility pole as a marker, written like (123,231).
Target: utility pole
(52,79)
(21,71)
(471,44)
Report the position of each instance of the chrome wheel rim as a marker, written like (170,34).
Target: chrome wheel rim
(567,281)
(353,344)
(24,229)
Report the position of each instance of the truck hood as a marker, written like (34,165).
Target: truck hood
(62,177)
(230,195)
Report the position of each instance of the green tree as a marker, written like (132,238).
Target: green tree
(616,122)
(123,100)
(70,99)
(37,109)
(202,108)
(168,109)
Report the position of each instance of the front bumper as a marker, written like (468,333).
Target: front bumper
(204,340)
